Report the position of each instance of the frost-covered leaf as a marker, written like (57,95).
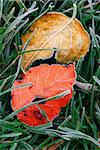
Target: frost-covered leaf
(47,81)
(55,31)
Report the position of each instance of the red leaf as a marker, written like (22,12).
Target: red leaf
(47,81)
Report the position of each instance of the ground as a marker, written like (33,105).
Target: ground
(78,125)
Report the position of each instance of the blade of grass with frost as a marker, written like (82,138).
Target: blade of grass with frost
(43,113)
(44,143)
(66,147)
(39,129)
(42,49)
(9,66)
(96,80)
(12,126)
(81,79)
(17,87)
(21,4)
(33,5)
(1,8)
(68,133)
(55,142)
(97,111)
(13,146)
(34,139)
(35,20)
(97,73)
(23,49)
(27,146)
(92,101)
(37,102)
(80,100)
(6,143)
(4,82)
(8,4)
(9,17)
(10,135)
(64,4)
(78,134)
(68,10)
(48,145)
(27,42)
(43,8)
(16,30)
(65,122)
(94,38)
(20,59)
(79,66)
(21,12)
(15,23)
(56,133)
(82,117)
(12,35)
(10,40)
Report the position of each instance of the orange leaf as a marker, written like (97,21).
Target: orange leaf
(47,81)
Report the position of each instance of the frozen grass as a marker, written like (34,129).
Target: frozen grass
(78,125)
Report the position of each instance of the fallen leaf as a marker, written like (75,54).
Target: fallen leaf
(56,30)
(47,81)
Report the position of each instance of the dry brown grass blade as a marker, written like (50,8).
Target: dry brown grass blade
(54,146)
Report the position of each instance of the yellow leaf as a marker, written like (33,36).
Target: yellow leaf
(56,30)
